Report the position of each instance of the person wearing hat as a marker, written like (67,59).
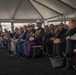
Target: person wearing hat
(37,40)
(32,30)
(38,37)
(29,38)
(39,33)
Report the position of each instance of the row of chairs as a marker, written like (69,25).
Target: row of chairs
(34,48)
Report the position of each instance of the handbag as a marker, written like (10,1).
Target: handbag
(57,62)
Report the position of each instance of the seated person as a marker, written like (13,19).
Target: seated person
(48,43)
(68,38)
(30,38)
(38,36)
(21,38)
(13,41)
(70,43)
(57,46)
(1,40)
(7,40)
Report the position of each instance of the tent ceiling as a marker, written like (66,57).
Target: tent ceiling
(56,5)
(31,10)
(72,3)
(72,15)
(26,11)
(45,12)
(7,8)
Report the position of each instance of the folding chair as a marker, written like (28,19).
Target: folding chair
(38,47)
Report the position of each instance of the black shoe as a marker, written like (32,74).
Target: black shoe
(68,67)
(47,54)
(20,54)
(22,57)
(26,57)
(64,54)
(13,55)
(6,53)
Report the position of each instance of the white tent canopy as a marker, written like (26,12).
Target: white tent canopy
(31,10)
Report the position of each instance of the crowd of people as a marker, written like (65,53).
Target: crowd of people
(57,40)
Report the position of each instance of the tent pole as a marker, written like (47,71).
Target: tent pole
(12,26)
(64,20)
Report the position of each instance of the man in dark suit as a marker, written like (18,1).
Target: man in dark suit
(15,34)
(39,33)
(69,43)
(57,47)
(22,36)
(48,43)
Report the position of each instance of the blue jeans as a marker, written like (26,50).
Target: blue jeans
(1,44)
(69,52)
(19,47)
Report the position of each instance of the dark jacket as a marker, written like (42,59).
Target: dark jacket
(60,33)
(39,37)
(48,35)
(70,32)
(16,35)
(22,35)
